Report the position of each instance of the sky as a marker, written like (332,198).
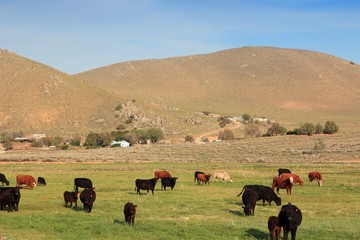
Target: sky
(78,35)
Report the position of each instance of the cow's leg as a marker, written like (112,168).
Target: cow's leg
(293,234)
(286,232)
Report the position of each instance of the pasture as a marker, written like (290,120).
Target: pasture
(189,211)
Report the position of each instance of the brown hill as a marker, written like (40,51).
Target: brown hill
(35,98)
(283,84)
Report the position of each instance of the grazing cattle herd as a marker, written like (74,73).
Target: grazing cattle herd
(289,217)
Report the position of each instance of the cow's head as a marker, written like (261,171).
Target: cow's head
(34,184)
(277,200)
(291,180)
(248,211)
(320,182)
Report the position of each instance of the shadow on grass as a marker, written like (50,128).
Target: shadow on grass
(257,234)
(237,213)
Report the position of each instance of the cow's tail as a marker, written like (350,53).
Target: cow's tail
(244,188)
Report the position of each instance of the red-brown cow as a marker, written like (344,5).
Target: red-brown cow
(26,179)
(205,178)
(279,182)
(296,178)
(317,176)
(274,228)
(162,174)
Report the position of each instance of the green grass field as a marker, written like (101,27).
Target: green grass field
(188,212)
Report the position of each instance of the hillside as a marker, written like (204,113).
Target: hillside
(283,84)
(35,98)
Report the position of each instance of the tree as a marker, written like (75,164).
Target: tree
(227,134)
(319,128)
(154,134)
(223,121)
(307,128)
(276,129)
(330,127)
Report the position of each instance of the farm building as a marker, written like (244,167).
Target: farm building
(121,143)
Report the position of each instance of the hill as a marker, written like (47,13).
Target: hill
(283,84)
(36,98)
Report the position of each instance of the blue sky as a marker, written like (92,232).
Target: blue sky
(78,35)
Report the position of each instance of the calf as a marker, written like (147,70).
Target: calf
(10,196)
(162,174)
(70,197)
(315,175)
(196,175)
(205,178)
(145,184)
(265,193)
(224,176)
(28,180)
(274,228)
(249,199)
(168,182)
(41,181)
(83,183)
(4,180)
(87,197)
(282,183)
(129,213)
(290,218)
(283,170)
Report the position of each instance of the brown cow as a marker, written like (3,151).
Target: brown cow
(205,178)
(317,176)
(26,179)
(279,182)
(274,228)
(296,178)
(162,174)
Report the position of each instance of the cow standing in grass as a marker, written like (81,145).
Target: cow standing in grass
(41,181)
(87,197)
(4,180)
(145,184)
(70,197)
(315,175)
(129,213)
(279,182)
(290,218)
(274,227)
(205,178)
(28,180)
(265,193)
(196,175)
(249,198)
(168,182)
(83,183)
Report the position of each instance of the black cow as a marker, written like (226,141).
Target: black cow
(83,183)
(265,193)
(249,199)
(168,182)
(87,197)
(129,213)
(10,196)
(70,197)
(4,180)
(283,170)
(41,181)
(290,218)
(196,175)
(145,184)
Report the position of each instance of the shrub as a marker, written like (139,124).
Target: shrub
(7,145)
(39,143)
(154,134)
(246,117)
(307,128)
(252,130)
(276,129)
(330,127)
(189,138)
(206,113)
(319,128)
(319,147)
(227,134)
(118,107)
(62,146)
(223,121)
(76,141)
